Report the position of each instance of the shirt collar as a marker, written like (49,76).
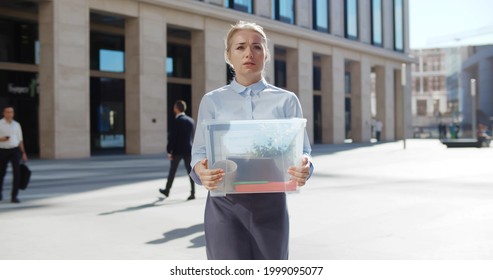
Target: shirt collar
(256,87)
(180,114)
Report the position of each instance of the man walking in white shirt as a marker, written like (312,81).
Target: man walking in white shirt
(11,150)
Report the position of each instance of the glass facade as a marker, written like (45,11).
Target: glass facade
(19,41)
(280,74)
(178,61)
(351,19)
(376,23)
(20,90)
(107,52)
(398,25)
(321,18)
(284,11)
(107,114)
(241,5)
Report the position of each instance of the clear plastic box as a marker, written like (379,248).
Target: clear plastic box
(254,154)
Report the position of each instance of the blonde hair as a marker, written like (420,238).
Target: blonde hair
(245,25)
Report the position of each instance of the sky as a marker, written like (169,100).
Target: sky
(445,23)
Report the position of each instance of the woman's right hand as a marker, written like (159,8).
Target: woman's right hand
(209,177)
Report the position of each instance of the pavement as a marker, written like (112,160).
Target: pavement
(364,202)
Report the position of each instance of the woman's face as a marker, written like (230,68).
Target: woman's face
(247,55)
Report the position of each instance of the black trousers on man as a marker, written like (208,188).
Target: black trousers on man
(174,166)
(13,156)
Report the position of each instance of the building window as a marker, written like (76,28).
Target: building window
(107,52)
(284,11)
(421,107)
(280,72)
(398,26)
(321,18)
(178,61)
(351,19)
(317,72)
(376,23)
(245,6)
(19,41)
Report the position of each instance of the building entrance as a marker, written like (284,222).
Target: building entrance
(20,90)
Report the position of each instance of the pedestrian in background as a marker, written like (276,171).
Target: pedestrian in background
(180,145)
(246,226)
(378,130)
(11,150)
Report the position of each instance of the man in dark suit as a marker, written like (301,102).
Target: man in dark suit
(180,145)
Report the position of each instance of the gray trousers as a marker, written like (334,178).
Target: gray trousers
(247,227)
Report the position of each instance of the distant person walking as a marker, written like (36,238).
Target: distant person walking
(11,150)
(180,145)
(378,130)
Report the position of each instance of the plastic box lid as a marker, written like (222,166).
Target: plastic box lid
(255,154)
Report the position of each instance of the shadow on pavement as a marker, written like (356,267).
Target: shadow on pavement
(180,233)
(135,208)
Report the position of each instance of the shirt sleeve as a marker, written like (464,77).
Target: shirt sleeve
(294,111)
(19,132)
(206,112)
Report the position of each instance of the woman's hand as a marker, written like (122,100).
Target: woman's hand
(209,177)
(300,174)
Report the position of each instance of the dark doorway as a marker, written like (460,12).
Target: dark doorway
(107,116)
(20,90)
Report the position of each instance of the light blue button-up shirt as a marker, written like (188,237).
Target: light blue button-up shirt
(259,101)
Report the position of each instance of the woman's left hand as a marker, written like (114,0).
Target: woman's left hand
(300,174)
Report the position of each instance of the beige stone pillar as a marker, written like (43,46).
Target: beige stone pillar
(303,14)
(327,116)
(336,100)
(337,17)
(385,100)
(269,67)
(292,70)
(263,8)
(305,85)
(399,104)
(64,79)
(145,82)
(215,65)
(198,70)
(360,100)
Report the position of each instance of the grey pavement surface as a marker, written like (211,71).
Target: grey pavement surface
(364,202)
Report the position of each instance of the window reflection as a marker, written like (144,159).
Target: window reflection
(284,11)
(111,61)
(398,26)
(321,15)
(241,5)
(351,19)
(376,22)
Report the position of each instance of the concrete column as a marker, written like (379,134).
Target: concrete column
(305,85)
(64,79)
(336,101)
(360,100)
(292,81)
(145,82)
(388,24)
(263,8)
(198,70)
(400,103)
(364,21)
(383,96)
(303,14)
(327,118)
(337,17)
(215,65)
(269,66)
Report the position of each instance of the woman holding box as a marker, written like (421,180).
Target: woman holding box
(246,226)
